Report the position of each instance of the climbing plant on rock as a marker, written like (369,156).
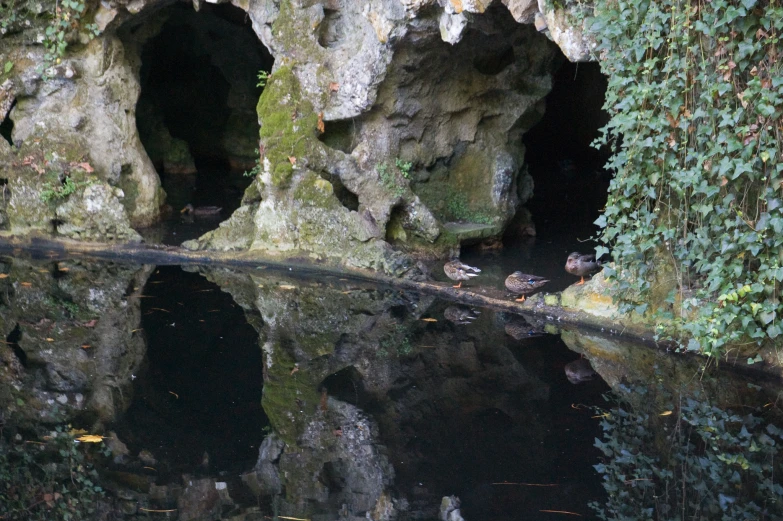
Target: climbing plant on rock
(695,96)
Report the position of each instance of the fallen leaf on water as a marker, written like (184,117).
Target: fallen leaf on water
(665,413)
(90,438)
(77,432)
(27,284)
(429,319)
(50,339)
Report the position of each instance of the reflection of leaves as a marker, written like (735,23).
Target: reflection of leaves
(90,438)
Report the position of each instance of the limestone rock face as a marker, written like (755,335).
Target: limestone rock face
(387,127)
(95,214)
(84,111)
(566,27)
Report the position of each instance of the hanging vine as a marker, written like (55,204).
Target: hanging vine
(695,94)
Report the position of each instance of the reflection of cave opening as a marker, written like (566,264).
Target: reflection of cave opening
(200,390)
(13,340)
(345,385)
(196,114)
(570,183)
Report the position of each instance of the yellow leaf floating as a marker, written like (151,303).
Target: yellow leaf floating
(665,413)
(90,438)
(429,319)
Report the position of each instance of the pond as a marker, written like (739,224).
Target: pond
(202,392)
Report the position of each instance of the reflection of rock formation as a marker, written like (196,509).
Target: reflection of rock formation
(72,340)
(331,345)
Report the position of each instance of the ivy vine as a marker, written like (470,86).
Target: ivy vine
(695,96)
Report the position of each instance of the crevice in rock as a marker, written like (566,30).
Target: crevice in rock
(347,198)
(331,29)
(12,340)
(340,135)
(345,385)
(570,182)
(7,126)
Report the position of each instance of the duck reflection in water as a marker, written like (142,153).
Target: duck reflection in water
(579,371)
(460,315)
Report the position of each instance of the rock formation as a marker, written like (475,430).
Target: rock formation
(387,128)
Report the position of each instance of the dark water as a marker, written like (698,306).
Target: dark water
(258,393)
(214,184)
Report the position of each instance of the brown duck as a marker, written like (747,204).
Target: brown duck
(456,270)
(201,211)
(581,264)
(523,284)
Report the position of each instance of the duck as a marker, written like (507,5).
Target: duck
(460,315)
(456,270)
(201,211)
(524,284)
(518,329)
(581,264)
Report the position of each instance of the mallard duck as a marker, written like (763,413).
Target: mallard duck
(456,270)
(460,315)
(581,264)
(201,211)
(518,329)
(524,284)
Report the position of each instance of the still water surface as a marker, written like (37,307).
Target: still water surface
(255,394)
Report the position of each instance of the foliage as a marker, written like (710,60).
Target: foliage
(67,17)
(695,96)
(262,76)
(51,191)
(459,209)
(256,169)
(711,463)
(389,179)
(404,167)
(49,479)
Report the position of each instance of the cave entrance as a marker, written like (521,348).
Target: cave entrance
(568,173)
(196,113)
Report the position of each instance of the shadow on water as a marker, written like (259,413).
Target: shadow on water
(259,393)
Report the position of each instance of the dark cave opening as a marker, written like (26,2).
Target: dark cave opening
(570,182)
(12,340)
(196,113)
(7,126)
(199,391)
